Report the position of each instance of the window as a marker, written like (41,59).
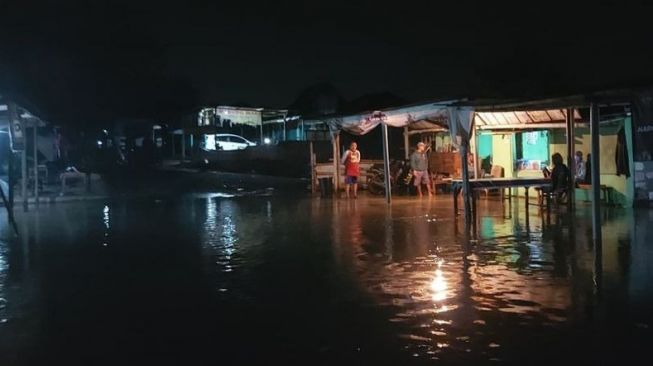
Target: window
(532,150)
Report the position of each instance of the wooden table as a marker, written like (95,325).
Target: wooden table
(497,183)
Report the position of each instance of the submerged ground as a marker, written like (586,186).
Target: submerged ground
(257,276)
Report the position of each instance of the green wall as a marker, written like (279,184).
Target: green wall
(484,145)
(622,187)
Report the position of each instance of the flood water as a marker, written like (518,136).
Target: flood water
(265,279)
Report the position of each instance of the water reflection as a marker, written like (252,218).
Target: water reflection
(447,292)
(351,280)
(439,284)
(219,231)
(106,219)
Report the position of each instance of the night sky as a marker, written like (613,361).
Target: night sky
(87,64)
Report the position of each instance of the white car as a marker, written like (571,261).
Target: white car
(227,142)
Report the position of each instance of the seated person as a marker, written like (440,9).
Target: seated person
(486,165)
(559,176)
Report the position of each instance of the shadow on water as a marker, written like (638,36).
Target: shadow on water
(240,279)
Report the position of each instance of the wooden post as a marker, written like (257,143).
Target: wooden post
(183,147)
(303,137)
(465,175)
(337,183)
(386,163)
(313,175)
(173,145)
(11,177)
(474,139)
(9,200)
(406,143)
(571,161)
(596,173)
(36,165)
(13,116)
(23,166)
(334,145)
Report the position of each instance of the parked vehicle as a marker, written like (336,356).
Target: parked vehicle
(226,142)
(399,177)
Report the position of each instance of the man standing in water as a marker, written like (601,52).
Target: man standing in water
(351,160)
(419,164)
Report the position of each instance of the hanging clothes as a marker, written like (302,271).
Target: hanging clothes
(621,154)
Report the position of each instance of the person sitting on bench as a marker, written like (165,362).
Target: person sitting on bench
(559,178)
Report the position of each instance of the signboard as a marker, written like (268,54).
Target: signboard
(232,116)
(642,109)
(643,126)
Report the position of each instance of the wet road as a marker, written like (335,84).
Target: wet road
(216,279)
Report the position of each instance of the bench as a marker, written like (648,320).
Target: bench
(605,190)
(325,170)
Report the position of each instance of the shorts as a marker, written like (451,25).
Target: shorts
(421,177)
(351,179)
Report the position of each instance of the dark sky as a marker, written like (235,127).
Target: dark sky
(82,63)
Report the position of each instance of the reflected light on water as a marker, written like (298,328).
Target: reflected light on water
(220,232)
(105,218)
(439,284)
(229,235)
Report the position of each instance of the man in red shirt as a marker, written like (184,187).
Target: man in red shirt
(351,160)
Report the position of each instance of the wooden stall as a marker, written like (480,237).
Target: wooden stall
(325,170)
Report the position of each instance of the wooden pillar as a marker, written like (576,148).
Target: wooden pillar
(313,175)
(571,161)
(23,166)
(337,184)
(303,137)
(173,145)
(596,173)
(465,175)
(11,178)
(183,147)
(406,143)
(386,163)
(335,139)
(474,140)
(36,165)
(9,199)
(13,116)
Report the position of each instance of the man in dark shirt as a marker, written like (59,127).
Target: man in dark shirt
(419,164)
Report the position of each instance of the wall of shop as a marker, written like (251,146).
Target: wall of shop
(623,189)
(502,152)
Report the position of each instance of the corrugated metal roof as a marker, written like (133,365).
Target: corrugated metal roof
(522,119)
